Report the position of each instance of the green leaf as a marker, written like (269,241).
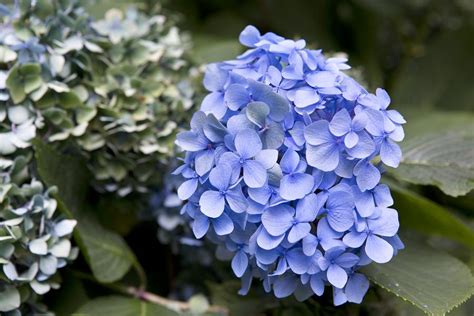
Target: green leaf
(15,86)
(23,79)
(436,220)
(121,306)
(9,299)
(430,279)
(69,100)
(106,252)
(58,170)
(439,151)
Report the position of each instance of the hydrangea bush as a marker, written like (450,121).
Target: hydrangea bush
(34,238)
(34,243)
(112,91)
(283,165)
(114,87)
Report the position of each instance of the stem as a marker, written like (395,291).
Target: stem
(178,306)
(143,295)
(141,275)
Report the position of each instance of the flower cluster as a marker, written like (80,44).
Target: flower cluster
(34,241)
(283,165)
(116,88)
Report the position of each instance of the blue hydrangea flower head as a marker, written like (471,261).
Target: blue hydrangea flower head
(282,169)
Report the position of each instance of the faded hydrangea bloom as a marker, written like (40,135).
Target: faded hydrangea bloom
(84,87)
(116,89)
(282,169)
(34,239)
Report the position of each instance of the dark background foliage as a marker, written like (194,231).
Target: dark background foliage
(418,50)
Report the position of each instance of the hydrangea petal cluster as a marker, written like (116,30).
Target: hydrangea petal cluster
(116,88)
(282,169)
(34,239)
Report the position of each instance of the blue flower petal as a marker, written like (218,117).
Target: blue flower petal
(310,243)
(317,284)
(289,162)
(341,123)
(298,232)
(354,239)
(187,189)
(364,148)
(248,143)
(307,209)
(321,79)
(297,260)
(351,139)
(257,113)
(390,153)
(317,133)
(337,276)
(367,176)
(278,219)
(279,106)
(214,104)
(267,241)
(240,263)
(220,176)
(378,249)
(386,224)
(223,225)
(324,157)
(249,36)
(296,186)
(191,141)
(215,78)
(306,96)
(236,200)
(338,296)
(285,286)
(267,158)
(260,195)
(212,203)
(356,287)
(347,260)
(200,226)
(204,161)
(236,97)
(255,175)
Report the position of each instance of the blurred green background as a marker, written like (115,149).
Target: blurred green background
(419,50)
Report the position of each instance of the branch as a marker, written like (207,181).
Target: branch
(178,306)
(143,295)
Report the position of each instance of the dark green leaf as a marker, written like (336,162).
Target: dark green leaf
(428,217)
(106,252)
(439,151)
(121,306)
(23,79)
(430,279)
